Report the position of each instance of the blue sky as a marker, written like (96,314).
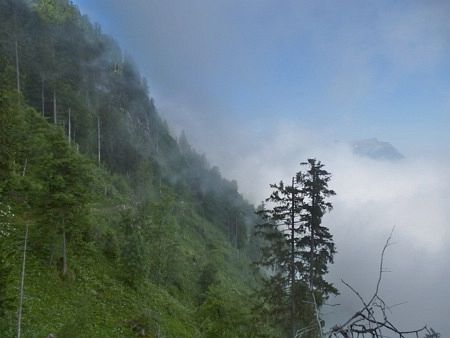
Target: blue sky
(348,70)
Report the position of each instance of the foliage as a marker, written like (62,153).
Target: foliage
(5,280)
(296,250)
(132,255)
(224,313)
(207,278)
(316,245)
(154,235)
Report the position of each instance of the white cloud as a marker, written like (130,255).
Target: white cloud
(372,197)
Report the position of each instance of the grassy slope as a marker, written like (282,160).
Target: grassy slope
(94,302)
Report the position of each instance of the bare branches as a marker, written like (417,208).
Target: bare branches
(372,320)
(380,274)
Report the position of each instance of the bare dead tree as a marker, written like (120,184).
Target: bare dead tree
(372,319)
(70,126)
(64,249)
(22,284)
(42,95)
(55,119)
(98,141)
(22,275)
(16,48)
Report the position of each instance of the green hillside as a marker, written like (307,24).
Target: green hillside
(130,231)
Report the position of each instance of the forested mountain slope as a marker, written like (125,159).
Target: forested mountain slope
(129,232)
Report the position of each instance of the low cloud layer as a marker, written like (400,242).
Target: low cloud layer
(412,195)
(373,197)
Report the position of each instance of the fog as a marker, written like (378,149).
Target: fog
(260,87)
(373,197)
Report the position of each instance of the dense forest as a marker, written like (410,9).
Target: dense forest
(111,226)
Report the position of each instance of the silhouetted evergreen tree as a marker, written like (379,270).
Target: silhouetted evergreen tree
(316,245)
(281,231)
(297,249)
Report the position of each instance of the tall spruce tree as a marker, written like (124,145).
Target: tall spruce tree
(316,245)
(281,230)
(297,250)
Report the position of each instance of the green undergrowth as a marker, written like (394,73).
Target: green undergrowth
(94,299)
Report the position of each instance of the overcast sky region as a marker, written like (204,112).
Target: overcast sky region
(261,85)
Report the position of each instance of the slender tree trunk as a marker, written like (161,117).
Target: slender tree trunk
(54,107)
(43,97)
(314,219)
(22,283)
(314,223)
(236,238)
(17,67)
(293,326)
(316,311)
(98,141)
(311,259)
(24,170)
(70,126)
(160,251)
(64,252)
(235,232)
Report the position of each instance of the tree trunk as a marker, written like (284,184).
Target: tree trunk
(17,67)
(43,97)
(22,283)
(293,326)
(236,238)
(24,170)
(160,251)
(314,221)
(64,253)
(236,232)
(70,127)
(98,141)
(54,107)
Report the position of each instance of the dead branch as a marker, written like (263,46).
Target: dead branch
(372,319)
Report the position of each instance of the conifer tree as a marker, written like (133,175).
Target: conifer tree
(316,245)
(281,230)
(297,250)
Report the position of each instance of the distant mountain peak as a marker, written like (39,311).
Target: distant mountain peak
(377,150)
